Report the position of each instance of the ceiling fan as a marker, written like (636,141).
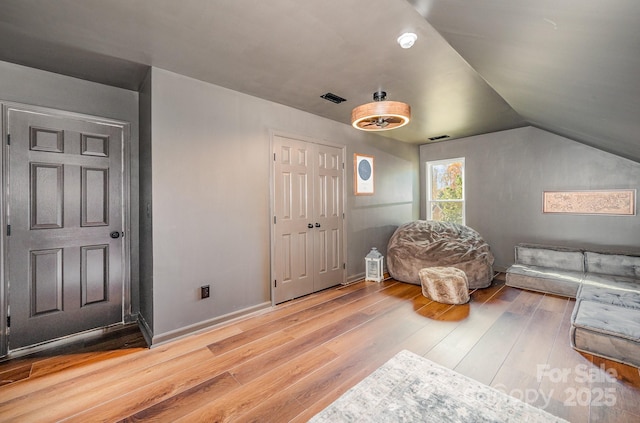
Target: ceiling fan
(381,115)
(380,121)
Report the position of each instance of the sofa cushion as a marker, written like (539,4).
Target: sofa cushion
(613,264)
(616,290)
(556,258)
(606,330)
(544,279)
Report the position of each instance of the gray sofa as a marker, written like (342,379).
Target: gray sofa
(606,285)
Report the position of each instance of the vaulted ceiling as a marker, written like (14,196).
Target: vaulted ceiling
(571,67)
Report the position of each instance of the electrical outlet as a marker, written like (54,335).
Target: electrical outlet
(204,291)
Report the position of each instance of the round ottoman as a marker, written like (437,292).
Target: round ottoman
(446,285)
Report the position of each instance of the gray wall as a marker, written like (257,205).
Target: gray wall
(31,86)
(506,173)
(146,224)
(373,219)
(210,167)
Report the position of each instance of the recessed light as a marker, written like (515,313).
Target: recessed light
(407,39)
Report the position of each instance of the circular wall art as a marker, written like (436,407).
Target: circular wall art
(364,170)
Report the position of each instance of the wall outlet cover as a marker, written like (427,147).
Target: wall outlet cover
(205,291)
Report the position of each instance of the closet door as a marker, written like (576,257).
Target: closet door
(307,225)
(293,220)
(328,221)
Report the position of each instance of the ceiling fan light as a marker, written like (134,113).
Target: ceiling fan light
(407,39)
(395,114)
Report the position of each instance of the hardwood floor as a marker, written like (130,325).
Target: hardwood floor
(290,362)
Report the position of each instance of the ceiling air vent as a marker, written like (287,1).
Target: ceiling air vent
(439,137)
(333,98)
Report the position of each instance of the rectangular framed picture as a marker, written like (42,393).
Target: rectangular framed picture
(616,202)
(363,173)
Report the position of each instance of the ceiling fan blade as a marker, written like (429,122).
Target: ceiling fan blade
(380,121)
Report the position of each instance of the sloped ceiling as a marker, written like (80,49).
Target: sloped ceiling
(571,67)
(568,66)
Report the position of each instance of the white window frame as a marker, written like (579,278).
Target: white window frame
(429,167)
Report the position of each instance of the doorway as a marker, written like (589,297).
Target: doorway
(308,217)
(66,212)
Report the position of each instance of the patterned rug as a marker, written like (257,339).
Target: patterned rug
(410,388)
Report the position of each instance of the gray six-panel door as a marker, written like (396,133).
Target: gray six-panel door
(64,206)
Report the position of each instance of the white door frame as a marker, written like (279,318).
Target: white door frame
(125,168)
(343,148)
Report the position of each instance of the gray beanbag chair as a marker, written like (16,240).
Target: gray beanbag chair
(426,243)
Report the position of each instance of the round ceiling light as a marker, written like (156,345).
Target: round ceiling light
(381,115)
(407,39)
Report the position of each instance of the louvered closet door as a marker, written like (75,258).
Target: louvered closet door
(65,271)
(308,218)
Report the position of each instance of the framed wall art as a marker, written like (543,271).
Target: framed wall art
(363,174)
(617,202)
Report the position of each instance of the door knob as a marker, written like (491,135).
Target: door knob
(115,234)
(310,226)
(317,225)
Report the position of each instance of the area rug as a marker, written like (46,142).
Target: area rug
(410,388)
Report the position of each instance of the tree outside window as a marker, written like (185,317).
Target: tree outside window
(445,191)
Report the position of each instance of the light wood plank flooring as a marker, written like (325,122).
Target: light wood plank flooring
(288,363)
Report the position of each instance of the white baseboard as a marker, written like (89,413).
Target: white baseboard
(205,325)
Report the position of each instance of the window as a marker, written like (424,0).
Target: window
(445,190)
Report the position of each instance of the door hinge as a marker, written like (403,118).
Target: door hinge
(8,139)
(274,220)
(8,230)
(344,265)
(274,157)
(275,283)
(8,321)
